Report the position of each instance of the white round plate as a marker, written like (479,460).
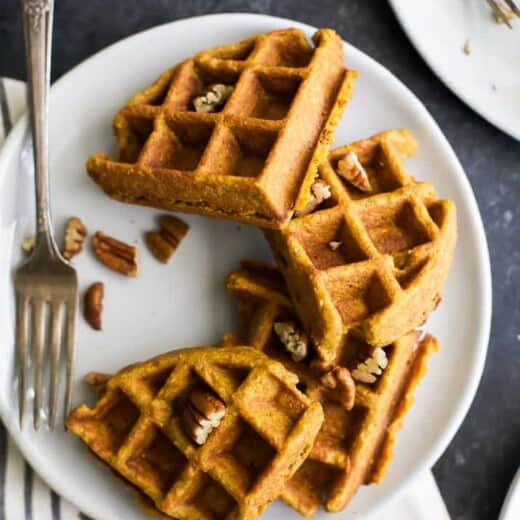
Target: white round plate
(487,78)
(184,303)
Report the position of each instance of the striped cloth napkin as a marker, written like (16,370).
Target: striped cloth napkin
(24,496)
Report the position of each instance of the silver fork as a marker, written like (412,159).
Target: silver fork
(501,11)
(46,283)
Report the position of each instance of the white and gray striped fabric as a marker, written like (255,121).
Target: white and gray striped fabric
(24,496)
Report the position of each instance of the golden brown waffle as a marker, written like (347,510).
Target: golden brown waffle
(248,161)
(354,445)
(368,263)
(265,435)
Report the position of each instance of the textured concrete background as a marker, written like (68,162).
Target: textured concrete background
(476,470)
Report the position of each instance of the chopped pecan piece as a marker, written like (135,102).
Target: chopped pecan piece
(93,305)
(164,242)
(116,255)
(294,339)
(202,414)
(340,380)
(214,98)
(75,234)
(28,244)
(320,191)
(351,169)
(372,367)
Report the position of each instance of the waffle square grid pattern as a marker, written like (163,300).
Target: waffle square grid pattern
(355,443)
(247,161)
(136,428)
(395,246)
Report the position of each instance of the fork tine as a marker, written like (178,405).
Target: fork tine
(38,328)
(71,324)
(513,7)
(56,337)
(498,12)
(21,342)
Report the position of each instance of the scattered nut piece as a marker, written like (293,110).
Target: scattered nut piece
(164,242)
(351,169)
(340,380)
(75,234)
(215,97)
(335,245)
(373,366)
(28,244)
(295,340)
(320,191)
(202,415)
(466,49)
(116,255)
(93,305)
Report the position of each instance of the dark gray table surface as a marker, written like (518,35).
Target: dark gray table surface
(476,469)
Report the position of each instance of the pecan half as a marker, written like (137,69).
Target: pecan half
(116,255)
(75,234)
(93,305)
(294,339)
(341,383)
(214,98)
(351,169)
(164,242)
(320,191)
(372,367)
(202,415)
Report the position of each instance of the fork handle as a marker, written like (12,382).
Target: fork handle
(37,24)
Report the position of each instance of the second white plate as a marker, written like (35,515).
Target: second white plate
(487,77)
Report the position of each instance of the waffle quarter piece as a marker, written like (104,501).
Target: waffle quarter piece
(355,443)
(371,263)
(249,157)
(139,428)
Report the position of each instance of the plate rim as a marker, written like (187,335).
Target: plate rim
(475,369)
(512,498)
(478,108)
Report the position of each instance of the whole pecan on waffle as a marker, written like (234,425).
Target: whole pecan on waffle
(293,338)
(214,98)
(351,169)
(371,367)
(202,414)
